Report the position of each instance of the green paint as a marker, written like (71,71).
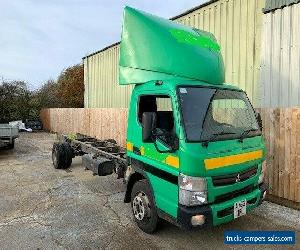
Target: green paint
(166,195)
(154,49)
(224,205)
(192,155)
(196,38)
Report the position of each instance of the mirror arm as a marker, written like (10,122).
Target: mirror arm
(173,148)
(160,151)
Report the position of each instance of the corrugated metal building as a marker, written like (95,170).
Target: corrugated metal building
(280,78)
(280,65)
(236,24)
(101,80)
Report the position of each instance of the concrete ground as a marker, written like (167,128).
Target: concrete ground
(44,208)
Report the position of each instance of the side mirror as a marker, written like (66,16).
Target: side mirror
(259,120)
(149,120)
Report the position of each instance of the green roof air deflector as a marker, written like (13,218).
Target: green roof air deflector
(153,48)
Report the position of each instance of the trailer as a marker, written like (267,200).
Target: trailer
(8,134)
(102,157)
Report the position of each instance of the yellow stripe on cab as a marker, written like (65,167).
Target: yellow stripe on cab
(129,146)
(172,161)
(220,162)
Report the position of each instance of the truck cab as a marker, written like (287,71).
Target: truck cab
(200,150)
(194,143)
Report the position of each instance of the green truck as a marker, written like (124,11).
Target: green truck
(195,151)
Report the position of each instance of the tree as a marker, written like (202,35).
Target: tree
(15,101)
(71,87)
(47,95)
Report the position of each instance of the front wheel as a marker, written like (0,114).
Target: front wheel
(143,207)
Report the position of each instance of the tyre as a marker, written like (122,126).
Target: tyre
(61,155)
(143,207)
(68,154)
(11,145)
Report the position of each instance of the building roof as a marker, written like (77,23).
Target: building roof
(172,18)
(105,48)
(193,9)
(272,5)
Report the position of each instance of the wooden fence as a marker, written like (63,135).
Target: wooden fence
(282,135)
(281,131)
(101,123)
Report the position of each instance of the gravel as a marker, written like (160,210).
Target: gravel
(45,208)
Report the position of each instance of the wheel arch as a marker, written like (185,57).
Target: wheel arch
(135,177)
(138,175)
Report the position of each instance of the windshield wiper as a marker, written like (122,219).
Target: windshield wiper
(245,133)
(214,137)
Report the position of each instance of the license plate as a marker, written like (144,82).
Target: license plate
(239,208)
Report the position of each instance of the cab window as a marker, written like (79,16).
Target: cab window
(162,106)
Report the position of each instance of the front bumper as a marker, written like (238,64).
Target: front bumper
(220,213)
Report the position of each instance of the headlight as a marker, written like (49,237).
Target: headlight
(192,190)
(263,173)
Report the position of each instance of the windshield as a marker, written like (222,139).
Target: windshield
(214,114)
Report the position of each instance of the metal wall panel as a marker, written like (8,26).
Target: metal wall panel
(280,58)
(278,4)
(235,23)
(101,81)
(237,27)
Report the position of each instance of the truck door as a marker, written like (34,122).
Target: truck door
(162,163)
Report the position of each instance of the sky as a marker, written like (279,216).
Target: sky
(39,38)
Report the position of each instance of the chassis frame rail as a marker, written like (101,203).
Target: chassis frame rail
(108,149)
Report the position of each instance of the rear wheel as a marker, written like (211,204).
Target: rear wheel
(62,155)
(69,154)
(143,207)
